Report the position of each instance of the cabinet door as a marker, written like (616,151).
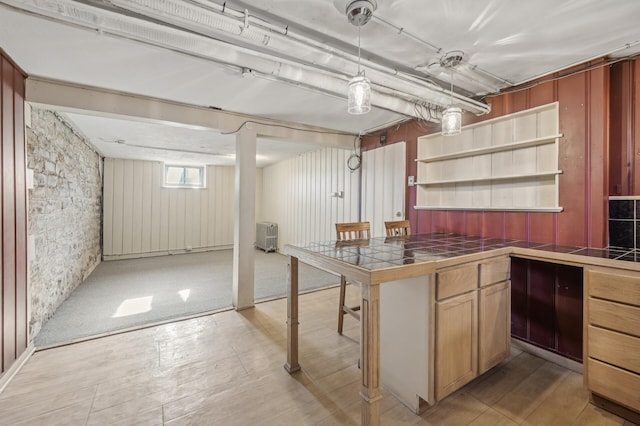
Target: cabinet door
(456,343)
(569,311)
(494,327)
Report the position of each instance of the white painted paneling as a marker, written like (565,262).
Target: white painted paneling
(142,218)
(383,186)
(296,194)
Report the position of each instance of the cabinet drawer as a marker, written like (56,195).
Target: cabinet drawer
(458,280)
(614,348)
(614,383)
(614,316)
(617,287)
(494,271)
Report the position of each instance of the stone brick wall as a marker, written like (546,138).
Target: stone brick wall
(64,213)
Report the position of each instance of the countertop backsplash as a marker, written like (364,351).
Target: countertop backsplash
(624,222)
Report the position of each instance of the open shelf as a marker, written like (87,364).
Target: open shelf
(489,208)
(490,178)
(490,149)
(508,163)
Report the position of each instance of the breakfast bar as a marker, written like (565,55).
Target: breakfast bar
(453,291)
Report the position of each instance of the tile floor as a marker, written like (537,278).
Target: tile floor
(226,369)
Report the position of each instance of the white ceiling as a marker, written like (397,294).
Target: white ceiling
(504,43)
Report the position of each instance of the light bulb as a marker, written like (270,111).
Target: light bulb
(359,95)
(451,121)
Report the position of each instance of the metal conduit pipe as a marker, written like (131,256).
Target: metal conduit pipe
(207,22)
(177,40)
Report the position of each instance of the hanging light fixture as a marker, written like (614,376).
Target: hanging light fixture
(359,92)
(452,116)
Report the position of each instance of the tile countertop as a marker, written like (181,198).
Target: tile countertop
(387,252)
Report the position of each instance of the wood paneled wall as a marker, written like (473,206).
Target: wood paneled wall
(143,218)
(624,156)
(583,158)
(13,230)
(297,195)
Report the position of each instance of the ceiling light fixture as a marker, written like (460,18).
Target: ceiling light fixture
(359,92)
(452,116)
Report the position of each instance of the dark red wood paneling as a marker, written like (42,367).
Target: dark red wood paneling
(634,131)
(573,157)
(2,283)
(541,227)
(13,238)
(543,94)
(619,100)
(21,214)
(568,311)
(473,223)
(8,219)
(456,221)
(516,226)
(540,309)
(493,224)
(598,172)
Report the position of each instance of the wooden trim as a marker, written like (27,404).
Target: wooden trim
(7,376)
(617,409)
(548,356)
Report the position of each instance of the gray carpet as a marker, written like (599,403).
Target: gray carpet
(127,293)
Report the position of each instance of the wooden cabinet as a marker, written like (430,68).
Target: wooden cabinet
(493,325)
(456,343)
(612,336)
(472,328)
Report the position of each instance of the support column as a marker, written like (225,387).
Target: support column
(370,354)
(244,224)
(292,316)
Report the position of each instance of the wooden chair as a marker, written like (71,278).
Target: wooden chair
(349,232)
(398,228)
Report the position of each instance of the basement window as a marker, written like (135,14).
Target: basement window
(184,176)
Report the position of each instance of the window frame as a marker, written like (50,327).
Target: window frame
(203,176)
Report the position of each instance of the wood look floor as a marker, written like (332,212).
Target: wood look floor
(226,369)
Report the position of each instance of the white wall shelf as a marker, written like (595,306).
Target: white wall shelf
(489,208)
(492,178)
(497,148)
(508,163)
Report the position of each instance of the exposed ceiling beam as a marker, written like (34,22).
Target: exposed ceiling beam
(81,99)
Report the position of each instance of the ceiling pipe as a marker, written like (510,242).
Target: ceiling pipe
(220,52)
(292,48)
(405,101)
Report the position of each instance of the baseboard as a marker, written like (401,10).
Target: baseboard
(615,408)
(548,355)
(109,257)
(15,367)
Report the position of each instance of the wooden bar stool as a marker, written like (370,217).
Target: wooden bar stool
(398,228)
(349,232)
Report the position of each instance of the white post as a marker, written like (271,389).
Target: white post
(244,227)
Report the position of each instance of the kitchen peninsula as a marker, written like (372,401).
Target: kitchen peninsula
(442,316)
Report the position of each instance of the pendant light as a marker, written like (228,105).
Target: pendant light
(452,116)
(359,89)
